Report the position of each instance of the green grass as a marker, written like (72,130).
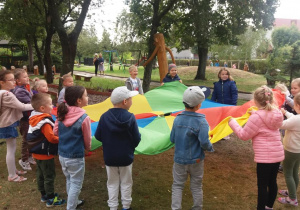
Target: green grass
(246,82)
(229,181)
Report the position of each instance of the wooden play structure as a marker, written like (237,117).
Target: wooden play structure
(160,52)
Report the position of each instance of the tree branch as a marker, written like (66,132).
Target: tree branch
(166,9)
(150,2)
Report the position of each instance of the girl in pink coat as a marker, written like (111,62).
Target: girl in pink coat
(263,128)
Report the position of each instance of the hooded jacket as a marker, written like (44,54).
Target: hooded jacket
(24,96)
(11,108)
(263,128)
(119,134)
(225,92)
(168,78)
(71,118)
(129,85)
(40,138)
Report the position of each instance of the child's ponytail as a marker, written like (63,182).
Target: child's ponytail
(72,94)
(265,98)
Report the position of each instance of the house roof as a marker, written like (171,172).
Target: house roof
(281,22)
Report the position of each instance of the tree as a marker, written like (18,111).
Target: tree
(248,43)
(206,22)
(62,12)
(148,19)
(285,36)
(294,61)
(88,43)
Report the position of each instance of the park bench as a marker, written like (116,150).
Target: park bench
(87,77)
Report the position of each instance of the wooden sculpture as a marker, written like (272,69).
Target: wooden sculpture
(160,52)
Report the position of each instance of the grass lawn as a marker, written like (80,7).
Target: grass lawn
(229,181)
(245,81)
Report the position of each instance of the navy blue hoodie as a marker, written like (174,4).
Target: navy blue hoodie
(225,92)
(119,134)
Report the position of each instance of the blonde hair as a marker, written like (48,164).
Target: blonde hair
(297,99)
(65,76)
(228,72)
(39,100)
(37,83)
(18,72)
(297,81)
(131,68)
(265,98)
(281,87)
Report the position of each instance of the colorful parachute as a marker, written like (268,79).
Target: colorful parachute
(156,110)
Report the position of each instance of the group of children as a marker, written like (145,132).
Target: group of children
(70,135)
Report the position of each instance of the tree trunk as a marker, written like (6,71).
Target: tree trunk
(47,54)
(68,41)
(202,53)
(30,54)
(38,54)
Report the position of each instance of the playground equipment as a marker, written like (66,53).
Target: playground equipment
(110,62)
(160,51)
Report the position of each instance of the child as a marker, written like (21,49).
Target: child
(73,128)
(190,136)
(43,144)
(24,96)
(119,134)
(10,114)
(225,90)
(40,86)
(263,128)
(96,63)
(171,76)
(101,66)
(134,83)
(291,162)
(289,102)
(67,81)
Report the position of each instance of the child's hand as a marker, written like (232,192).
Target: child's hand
(283,111)
(230,119)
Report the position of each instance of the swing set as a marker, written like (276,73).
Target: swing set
(110,60)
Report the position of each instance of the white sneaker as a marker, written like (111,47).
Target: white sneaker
(25,165)
(31,161)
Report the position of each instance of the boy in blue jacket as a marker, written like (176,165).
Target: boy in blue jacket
(119,134)
(190,136)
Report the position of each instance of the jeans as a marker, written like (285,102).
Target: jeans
(290,169)
(180,175)
(119,177)
(73,169)
(266,183)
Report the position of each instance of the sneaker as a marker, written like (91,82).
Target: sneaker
(25,165)
(283,192)
(44,198)
(55,202)
(80,203)
(31,161)
(127,209)
(16,179)
(268,208)
(287,200)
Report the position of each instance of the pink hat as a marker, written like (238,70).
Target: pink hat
(171,65)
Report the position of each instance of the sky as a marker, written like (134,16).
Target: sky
(106,17)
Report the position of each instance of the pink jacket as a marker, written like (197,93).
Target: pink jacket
(263,128)
(71,117)
(11,108)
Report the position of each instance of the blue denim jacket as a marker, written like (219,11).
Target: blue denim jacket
(71,143)
(190,136)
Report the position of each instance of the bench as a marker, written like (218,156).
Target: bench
(86,77)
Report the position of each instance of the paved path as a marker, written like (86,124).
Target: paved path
(243,96)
